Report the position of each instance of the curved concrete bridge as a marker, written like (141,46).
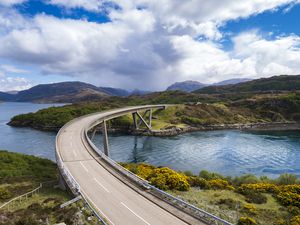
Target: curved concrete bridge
(118,196)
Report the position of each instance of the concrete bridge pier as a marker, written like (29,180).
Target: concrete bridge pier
(105,138)
(62,183)
(93,133)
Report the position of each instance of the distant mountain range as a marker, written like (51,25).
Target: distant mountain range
(190,86)
(78,91)
(276,83)
(66,92)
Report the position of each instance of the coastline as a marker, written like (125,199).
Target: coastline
(174,131)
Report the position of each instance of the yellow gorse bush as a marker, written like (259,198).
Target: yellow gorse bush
(261,187)
(220,184)
(295,220)
(249,208)
(163,178)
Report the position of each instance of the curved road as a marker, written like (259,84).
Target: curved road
(115,201)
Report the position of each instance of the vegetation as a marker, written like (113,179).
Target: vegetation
(241,200)
(20,174)
(267,108)
(277,83)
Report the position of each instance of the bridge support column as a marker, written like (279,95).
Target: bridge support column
(93,133)
(105,138)
(61,183)
(141,121)
(134,121)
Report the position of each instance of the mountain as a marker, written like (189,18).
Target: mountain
(61,92)
(139,92)
(231,81)
(190,85)
(187,86)
(114,91)
(276,83)
(12,92)
(6,96)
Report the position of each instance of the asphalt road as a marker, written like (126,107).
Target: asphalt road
(114,200)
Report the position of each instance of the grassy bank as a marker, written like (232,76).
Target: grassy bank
(200,111)
(237,199)
(20,174)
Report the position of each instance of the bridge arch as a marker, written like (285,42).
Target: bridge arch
(114,192)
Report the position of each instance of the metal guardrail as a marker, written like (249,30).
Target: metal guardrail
(75,187)
(69,179)
(185,206)
(179,203)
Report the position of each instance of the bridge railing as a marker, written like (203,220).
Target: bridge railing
(177,202)
(70,180)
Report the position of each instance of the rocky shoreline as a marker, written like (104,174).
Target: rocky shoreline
(174,131)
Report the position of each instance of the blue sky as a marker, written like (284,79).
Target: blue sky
(128,43)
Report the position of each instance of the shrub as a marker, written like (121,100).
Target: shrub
(293,210)
(189,173)
(260,187)
(220,184)
(288,198)
(248,208)
(165,178)
(253,196)
(285,179)
(210,176)
(27,221)
(5,194)
(295,220)
(198,182)
(292,188)
(229,202)
(246,179)
(246,221)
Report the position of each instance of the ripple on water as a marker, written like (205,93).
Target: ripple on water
(227,152)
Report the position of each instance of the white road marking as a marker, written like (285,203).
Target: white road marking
(84,167)
(106,217)
(102,185)
(135,213)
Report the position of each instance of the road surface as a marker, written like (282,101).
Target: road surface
(115,201)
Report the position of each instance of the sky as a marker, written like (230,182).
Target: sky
(146,44)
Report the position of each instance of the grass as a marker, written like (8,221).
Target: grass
(230,198)
(193,110)
(20,174)
(209,200)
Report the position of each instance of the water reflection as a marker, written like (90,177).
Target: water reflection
(227,152)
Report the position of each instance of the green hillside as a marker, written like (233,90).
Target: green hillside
(192,110)
(277,83)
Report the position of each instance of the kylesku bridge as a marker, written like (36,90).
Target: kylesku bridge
(117,196)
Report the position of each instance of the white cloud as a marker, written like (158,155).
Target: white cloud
(8,83)
(148,48)
(91,5)
(13,69)
(11,2)
(197,17)
(271,57)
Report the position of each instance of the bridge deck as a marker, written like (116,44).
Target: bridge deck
(115,201)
